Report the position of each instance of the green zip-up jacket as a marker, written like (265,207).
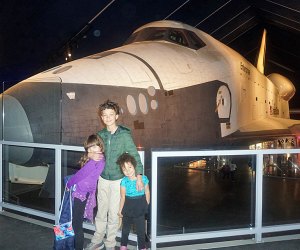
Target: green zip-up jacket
(115,145)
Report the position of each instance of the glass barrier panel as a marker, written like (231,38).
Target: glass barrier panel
(1,108)
(4,87)
(281,189)
(70,165)
(197,194)
(32,112)
(28,177)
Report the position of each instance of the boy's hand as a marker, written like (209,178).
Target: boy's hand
(139,183)
(120,222)
(96,156)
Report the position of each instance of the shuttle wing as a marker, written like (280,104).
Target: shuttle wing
(272,124)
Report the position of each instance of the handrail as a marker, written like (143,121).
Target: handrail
(256,230)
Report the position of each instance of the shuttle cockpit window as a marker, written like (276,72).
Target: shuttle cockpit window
(179,36)
(194,41)
(148,34)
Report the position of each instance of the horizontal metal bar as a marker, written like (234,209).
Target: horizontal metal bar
(28,211)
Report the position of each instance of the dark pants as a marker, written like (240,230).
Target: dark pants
(139,222)
(78,210)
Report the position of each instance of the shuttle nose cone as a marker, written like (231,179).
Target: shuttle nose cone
(16,127)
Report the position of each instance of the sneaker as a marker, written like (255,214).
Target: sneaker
(94,246)
(123,248)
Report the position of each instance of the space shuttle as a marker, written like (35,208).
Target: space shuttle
(177,87)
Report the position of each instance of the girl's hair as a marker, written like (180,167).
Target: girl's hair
(109,105)
(125,157)
(91,141)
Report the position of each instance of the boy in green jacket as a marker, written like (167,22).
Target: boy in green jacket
(117,140)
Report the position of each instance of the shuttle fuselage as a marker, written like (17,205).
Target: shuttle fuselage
(177,87)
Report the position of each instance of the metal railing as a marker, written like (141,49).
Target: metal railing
(58,181)
(258,230)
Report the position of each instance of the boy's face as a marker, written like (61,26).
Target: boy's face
(109,117)
(128,169)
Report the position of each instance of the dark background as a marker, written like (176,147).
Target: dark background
(37,34)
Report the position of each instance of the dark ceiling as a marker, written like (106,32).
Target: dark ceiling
(36,34)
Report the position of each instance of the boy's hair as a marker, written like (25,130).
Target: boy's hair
(92,140)
(109,105)
(125,157)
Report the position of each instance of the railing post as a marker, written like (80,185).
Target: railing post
(153,201)
(1,177)
(258,199)
(142,156)
(57,183)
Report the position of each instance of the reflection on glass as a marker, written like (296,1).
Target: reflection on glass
(281,187)
(69,165)
(208,193)
(1,108)
(31,183)
(282,165)
(32,112)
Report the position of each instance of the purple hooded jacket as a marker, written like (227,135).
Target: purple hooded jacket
(86,182)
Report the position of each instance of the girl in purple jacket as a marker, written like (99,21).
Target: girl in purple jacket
(84,185)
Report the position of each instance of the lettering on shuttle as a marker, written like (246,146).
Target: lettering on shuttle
(245,69)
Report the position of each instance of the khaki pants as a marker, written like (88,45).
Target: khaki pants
(107,219)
